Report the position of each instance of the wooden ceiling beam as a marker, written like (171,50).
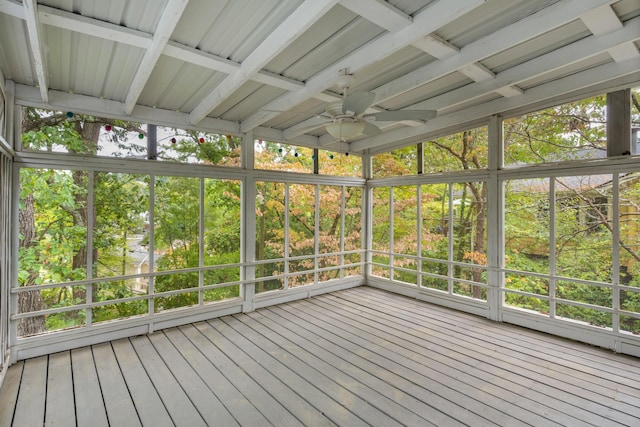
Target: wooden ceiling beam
(601,20)
(426,22)
(539,23)
(296,24)
(559,87)
(167,23)
(35,41)
(562,57)
(380,13)
(465,60)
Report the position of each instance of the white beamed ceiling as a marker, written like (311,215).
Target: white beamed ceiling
(270,67)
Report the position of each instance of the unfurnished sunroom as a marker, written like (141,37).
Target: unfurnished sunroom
(171,162)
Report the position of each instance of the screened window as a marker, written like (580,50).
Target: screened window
(283,157)
(460,151)
(306,234)
(573,131)
(96,246)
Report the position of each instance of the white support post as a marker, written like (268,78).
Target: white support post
(12,118)
(615,276)
(152,259)
(552,247)
(14,121)
(201,245)
(248,219)
(495,220)
(316,231)
(450,269)
(15,240)
(391,234)
(343,206)
(89,249)
(419,230)
(367,214)
(287,201)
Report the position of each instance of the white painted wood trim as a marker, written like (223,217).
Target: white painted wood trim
(167,23)
(35,41)
(292,27)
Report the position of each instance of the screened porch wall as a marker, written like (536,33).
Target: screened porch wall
(560,238)
(157,293)
(459,279)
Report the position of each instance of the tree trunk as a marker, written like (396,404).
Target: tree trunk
(32,300)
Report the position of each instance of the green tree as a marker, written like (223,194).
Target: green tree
(54,216)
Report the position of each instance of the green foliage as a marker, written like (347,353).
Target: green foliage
(570,131)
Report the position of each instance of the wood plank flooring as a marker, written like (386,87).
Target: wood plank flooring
(351,358)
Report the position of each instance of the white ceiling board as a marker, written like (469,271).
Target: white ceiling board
(169,19)
(270,73)
(335,35)
(286,33)
(424,23)
(537,46)
(502,39)
(552,89)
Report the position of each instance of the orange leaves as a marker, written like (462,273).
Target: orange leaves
(476,257)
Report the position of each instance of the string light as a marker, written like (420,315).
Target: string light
(107,128)
(69,114)
(141,135)
(173,140)
(201,140)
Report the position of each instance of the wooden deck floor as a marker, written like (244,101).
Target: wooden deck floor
(355,357)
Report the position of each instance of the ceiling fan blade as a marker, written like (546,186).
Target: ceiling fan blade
(399,115)
(358,101)
(371,130)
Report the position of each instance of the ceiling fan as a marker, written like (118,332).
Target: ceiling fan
(347,119)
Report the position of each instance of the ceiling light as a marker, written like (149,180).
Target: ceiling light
(343,130)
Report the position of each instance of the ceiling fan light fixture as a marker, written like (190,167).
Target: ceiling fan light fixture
(343,130)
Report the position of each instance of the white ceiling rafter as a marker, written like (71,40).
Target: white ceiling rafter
(299,21)
(12,8)
(546,20)
(63,101)
(380,13)
(433,17)
(525,29)
(552,89)
(435,46)
(167,23)
(601,20)
(465,60)
(477,72)
(120,34)
(93,27)
(441,49)
(624,51)
(557,59)
(96,50)
(604,20)
(35,40)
